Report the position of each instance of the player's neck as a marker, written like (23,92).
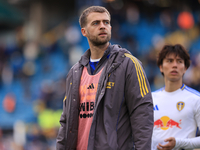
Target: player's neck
(172,86)
(98,51)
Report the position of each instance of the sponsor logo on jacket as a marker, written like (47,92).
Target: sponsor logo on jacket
(110,84)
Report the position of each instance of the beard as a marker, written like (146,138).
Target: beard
(96,41)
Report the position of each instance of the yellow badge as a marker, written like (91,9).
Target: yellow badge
(110,84)
(180,105)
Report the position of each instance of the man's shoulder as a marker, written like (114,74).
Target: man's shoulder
(120,53)
(118,48)
(191,91)
(73,68)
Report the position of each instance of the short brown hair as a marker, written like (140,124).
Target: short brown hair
(176,49)
(86,12)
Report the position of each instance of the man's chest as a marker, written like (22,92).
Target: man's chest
(173,111)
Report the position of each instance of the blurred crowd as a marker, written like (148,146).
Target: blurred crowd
(32,73)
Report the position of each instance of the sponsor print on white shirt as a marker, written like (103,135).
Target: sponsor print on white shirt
(176,114)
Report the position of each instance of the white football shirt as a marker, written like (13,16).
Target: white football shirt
(176,114)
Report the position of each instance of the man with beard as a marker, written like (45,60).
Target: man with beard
(108,103)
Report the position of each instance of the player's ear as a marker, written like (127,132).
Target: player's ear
(83,31)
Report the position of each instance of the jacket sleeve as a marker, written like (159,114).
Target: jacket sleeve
(60,142)
(61,137)
(139,102)
(188,143)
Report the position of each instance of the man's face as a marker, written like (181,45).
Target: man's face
(98,29)
(173,68)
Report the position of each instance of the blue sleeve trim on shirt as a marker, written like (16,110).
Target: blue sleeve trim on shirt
(192,90)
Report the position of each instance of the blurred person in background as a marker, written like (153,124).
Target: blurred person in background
(176,106)
(108,102)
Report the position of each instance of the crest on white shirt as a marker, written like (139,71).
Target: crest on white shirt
(180,105)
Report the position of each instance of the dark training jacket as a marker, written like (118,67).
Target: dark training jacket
(123,112)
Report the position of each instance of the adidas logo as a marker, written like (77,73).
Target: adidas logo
(155,108)
(91,86)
